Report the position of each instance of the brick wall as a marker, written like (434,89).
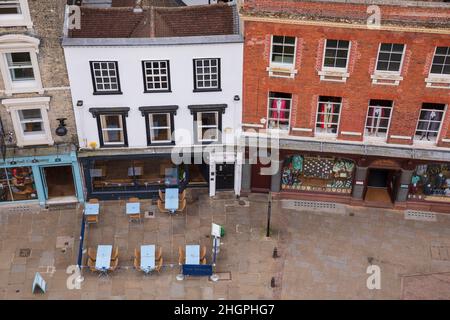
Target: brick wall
(47,17)
(357,91)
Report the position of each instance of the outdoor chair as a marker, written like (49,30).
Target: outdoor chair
(203,261)
(203,253)
(161,207)
(92,219)
(137,259)
(161,195)
(181,206)
(92,253)
(159,265)
(93,200)
(159,253)
(114,265)
(91,265)
(133,199)
(181,256)
(115,253)
(137,216)
(182,195)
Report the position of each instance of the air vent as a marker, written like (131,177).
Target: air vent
(420,215)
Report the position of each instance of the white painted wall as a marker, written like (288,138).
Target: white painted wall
(131,81)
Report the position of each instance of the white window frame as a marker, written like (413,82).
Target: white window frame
(167,75)
(218,73)
(436,80)
(108,69)
(200,126)
(338,74)
(282,70)
(151,127)
(327,134)
(269,118)
(384,138)
(22,19)
(388,77)
(438,132)
(122,129)
(13,106)
(16,44)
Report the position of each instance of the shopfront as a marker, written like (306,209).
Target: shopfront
(124,176)
(430,182)
(45,179)
(313,173)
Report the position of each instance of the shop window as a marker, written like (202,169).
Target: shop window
(378,118)
(429,123)
(14,13)
(207,74)
(105,77)
(317,174)
(129,175)
(431,182)
(156,75)
(17,184)
(328,112)
(279,110)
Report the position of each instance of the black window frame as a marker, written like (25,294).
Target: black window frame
(169,84)
(170,109)
(94,83)
(219,108)
(97,112)
(219,75)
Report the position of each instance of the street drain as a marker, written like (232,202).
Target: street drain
(25,253)
(420,215)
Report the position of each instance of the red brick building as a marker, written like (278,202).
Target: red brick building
(359,93)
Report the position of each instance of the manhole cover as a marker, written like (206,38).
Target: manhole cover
(25,253)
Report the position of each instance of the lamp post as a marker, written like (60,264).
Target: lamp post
(269,213)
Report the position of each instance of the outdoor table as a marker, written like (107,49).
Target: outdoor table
(103,260)
(91,209)
(133,208)
(193,254)
(171,201)
(148,258)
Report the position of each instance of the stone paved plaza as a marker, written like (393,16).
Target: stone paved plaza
(323,254)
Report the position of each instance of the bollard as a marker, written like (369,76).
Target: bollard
(275,253)
(272,282)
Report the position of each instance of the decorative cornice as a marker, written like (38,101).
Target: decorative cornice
(158,109)
(207,107)
(97,111)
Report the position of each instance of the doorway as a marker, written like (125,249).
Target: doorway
(259,182)
(59,182)
(381,186)
(225,177)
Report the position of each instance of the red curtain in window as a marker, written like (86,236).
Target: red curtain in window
(278,107)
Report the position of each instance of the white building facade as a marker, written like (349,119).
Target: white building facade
(145,105)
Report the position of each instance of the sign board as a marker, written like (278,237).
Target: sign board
(197,270)
(215,230)
(39,283)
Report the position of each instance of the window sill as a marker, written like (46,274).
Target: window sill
(31,142)
(435,81)
(390,79)
(160,144)
(333,75)
(99,93)
(114,146)
(10,92)
(282,71)
(157,91)
(207,90)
